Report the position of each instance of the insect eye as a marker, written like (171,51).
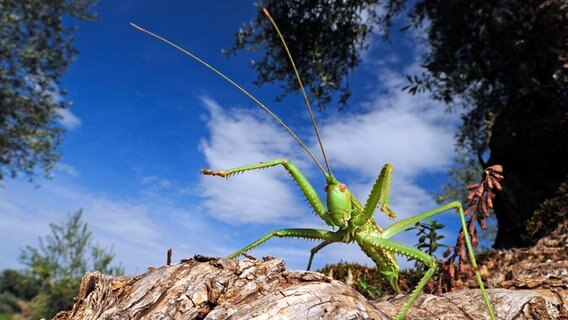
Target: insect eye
(325,188)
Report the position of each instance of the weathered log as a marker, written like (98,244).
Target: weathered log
(533,284)
(252,289)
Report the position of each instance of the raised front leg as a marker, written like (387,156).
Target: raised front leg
(379,195)
(306,187)
(327,236)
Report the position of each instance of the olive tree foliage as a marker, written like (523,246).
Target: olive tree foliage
(326,39)
(502,64)
(59,263)
(68,252)
(36,48)
(505,64)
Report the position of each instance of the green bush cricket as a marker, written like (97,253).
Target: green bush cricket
(354,222)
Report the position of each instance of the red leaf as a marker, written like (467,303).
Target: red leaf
(480,190)
(472,186)
(471,196)
(482,223)
(489,182)
(490,200)
(474,241)
(498,185)
(496,168)
(484,209)
(498,176)
(467,210)
(447,252)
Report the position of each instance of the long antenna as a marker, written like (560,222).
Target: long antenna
(265,11)
(253,98)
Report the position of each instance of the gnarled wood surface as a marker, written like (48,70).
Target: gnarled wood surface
(534,286)
(251,289)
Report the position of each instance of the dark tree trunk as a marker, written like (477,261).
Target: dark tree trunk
(530,140)
(530,134)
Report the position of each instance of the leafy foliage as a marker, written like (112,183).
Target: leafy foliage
(325,38)
(428,239)
(16,288)
(368,280)
(484,56)
(60,262)
(68,252)
(18,284)
(364,286)
(55,297)
(35,50)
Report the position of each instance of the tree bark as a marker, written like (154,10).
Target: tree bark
(529,137)
(528,284)
(213,288)
(530,142)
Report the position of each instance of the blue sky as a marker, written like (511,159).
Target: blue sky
(146,119)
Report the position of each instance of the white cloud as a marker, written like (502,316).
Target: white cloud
(408,140)
(68,120)
(238,137)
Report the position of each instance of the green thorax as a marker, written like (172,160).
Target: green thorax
(339,204)
(344,209)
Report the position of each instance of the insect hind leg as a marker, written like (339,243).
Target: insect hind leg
(315,250)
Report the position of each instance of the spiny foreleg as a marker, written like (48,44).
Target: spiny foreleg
(378,197)
(305,186)
(317,234)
